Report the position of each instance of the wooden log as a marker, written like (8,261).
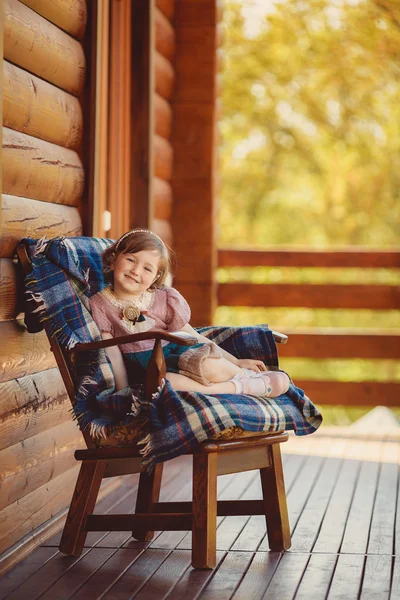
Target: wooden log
(194,140)
(193,68)
(69,15)
(8,290)
(163,229)
(23,217)
(36,169)
(163,158)
(16,427)
(164,76)
(24,353)
(350,256)
(162,201)
(342,343)
(163,116)
(29,392)
(373,297)
(22,517)
(35,461)
(352,393)
(165,35)
(197,13)
(35,44)
(167,7)
(40,109)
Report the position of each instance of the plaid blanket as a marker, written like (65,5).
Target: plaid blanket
(66,272)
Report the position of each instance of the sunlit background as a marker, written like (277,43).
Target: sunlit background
(310,154)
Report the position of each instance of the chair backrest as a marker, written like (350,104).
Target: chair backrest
(81,259)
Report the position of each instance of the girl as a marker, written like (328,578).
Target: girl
(136,299)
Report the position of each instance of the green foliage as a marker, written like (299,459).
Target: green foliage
(311,124)
(310,155)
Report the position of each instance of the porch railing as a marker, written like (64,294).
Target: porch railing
(324,343)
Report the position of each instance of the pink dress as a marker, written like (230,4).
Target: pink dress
(167,310)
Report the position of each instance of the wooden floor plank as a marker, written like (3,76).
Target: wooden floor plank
(376,581)
(346,582)
(258,576)
(356,532)
(317,577)
(135,577)
(395,589)
(310,521)
(166,576)
(107,576)
(74,578)
(45,577)
(331,533)
(193,581)
(229,575)
(381,538)
(287,576)
(299,492)
(16,577)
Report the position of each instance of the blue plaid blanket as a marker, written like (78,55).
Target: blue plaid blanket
(65,273)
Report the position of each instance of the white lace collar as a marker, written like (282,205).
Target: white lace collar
(144,301)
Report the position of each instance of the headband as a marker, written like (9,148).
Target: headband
(138,231)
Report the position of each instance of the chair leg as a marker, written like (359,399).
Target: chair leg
(274,496)
(204,532)
(82,504)
(148,494)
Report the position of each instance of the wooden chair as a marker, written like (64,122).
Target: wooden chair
(213,458)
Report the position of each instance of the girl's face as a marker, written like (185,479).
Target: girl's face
(134,273)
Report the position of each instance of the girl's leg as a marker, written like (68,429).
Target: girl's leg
(185,384)
(218,370)
(268,384)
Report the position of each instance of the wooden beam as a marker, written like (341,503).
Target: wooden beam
(40,170)
(69,15)
(39,109)
(24,352)
(342,343)
(373,297)
(23,217)
(35,44)
(352,393)
(377,258)
(142,114)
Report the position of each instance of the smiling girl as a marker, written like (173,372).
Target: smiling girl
(137,299)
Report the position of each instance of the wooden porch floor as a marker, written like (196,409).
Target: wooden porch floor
(344,511)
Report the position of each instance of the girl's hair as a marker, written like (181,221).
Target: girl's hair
(135,241)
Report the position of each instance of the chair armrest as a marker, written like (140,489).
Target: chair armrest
(181,338)
(280,338)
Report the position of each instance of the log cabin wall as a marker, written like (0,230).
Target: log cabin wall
(43,187)
(164,74)
(193,141)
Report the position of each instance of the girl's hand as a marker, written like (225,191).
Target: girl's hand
(250,363)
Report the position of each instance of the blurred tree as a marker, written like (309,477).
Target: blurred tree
(310,123)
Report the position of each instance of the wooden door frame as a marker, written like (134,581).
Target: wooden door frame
(118,144)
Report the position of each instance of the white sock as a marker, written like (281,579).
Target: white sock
(266,383)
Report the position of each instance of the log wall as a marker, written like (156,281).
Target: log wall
(164,57)
(43,184)
(193,141)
